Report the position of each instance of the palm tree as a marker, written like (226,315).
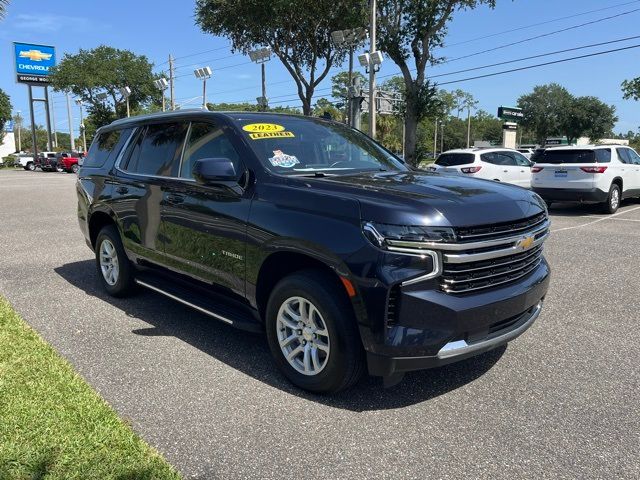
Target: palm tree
(3,8)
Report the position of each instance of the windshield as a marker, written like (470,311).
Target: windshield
(455,159)
(298,145)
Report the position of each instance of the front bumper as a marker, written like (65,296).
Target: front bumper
(591,195)
(434,328)
(453,351)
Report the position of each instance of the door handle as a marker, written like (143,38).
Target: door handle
(122,190)
(175,199)
(506,171)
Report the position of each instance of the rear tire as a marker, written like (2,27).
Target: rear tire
(613,200)
(114,269)
(30,166)
(309,319)
(74,168)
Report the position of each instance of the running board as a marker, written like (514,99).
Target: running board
(219,309)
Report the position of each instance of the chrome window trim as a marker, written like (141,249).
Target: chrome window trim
(184,147)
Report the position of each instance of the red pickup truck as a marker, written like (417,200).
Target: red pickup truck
(67,162)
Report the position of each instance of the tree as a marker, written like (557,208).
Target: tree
(298,33)
(324,108)
(3,8)
(105,70)
(631,89)
(249,107)
(5,111)
(588,116)
(411,29)
(544,110)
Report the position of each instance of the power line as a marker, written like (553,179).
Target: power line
(464,42)
(198,53)
(528,67)
(535,56)
(205,61)
(519,42)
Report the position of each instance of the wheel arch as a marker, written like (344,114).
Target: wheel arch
(97,221)
(618,181)
(284,262)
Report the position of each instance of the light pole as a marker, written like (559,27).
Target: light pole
(371,62)
(261,56)
(351,38)
(70,118)
(441,137)
(162,84)
(18,121)
(435,139)
(126,93)
(82,129)
(203,74)
(372,71)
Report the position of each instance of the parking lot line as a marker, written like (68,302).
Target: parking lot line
(610,217)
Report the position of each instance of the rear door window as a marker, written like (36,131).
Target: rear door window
(455,159)
(506,159)
(105,147)
(157,150)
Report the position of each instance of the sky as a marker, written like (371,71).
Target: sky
(157,29)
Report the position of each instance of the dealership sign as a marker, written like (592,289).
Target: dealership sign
(33,62)
(510,114)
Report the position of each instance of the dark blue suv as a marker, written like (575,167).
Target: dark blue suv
(310,231)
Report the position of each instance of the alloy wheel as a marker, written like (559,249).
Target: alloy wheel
(303,336)
(109,265)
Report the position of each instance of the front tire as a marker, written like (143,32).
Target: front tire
(613,200)
(31,167)
(74,168)
(114,269)
(312,334)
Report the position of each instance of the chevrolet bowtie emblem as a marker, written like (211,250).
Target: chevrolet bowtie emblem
(35,55)
(525,243)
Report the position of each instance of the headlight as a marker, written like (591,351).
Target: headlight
(380,233)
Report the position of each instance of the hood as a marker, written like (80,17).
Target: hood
(424,198)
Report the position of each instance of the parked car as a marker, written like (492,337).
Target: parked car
(67,162)
(499,164)
(309,230)
(25,160)
(526,152)
(47,161)
(588,174)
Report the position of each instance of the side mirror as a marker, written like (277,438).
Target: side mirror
(214,170)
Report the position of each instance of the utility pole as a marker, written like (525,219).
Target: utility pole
(435,139)
(19,125)
(263,69)
(171,79)
(372,70)
(70,118)
(468,127)
(441,137)
(82,129)
(53,118)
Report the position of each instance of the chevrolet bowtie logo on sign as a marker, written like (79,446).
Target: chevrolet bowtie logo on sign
(525,243)
(35,55)
(33,62)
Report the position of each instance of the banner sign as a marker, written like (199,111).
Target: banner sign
(512,114)
(33,62)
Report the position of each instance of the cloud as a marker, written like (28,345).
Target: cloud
(48,22)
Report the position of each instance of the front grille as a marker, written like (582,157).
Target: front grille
(489,256)
(486,232)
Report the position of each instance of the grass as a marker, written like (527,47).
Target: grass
(53,425)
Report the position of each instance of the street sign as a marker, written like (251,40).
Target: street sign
(33,62)
(511,114)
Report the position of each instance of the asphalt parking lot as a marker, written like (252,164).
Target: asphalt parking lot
(560,402)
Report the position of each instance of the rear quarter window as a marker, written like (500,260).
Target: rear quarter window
(106,146)
(455,159)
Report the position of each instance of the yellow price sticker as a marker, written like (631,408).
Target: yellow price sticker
(263,127)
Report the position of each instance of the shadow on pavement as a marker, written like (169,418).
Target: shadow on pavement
(249,353)
(581,210)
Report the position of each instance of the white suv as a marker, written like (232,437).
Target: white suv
(588,174)
(499,164)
